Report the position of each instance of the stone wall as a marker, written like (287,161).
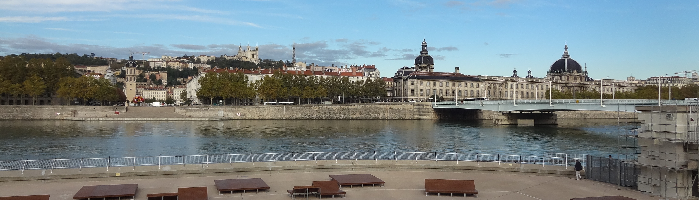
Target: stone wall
(347,111)
(55,112)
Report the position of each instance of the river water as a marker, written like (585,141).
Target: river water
(51,139)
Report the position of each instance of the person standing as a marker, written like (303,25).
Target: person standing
(578,167)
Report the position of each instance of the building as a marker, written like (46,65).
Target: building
(567,74)
(156,93)
(250,55)
(420,82)
(668,139)
(130,80)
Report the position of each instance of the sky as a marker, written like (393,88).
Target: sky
(614,39)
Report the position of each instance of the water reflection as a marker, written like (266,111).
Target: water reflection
(71,139)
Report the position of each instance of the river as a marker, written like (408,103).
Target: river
(50,139)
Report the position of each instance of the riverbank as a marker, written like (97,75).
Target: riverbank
(404,179)
(383,111)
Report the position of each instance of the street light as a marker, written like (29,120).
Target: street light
(601,92)
(669,87)
(550,93)
(659,79)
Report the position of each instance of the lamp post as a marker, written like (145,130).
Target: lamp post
(659,79)
(550,93)
(669,87)
(601,92)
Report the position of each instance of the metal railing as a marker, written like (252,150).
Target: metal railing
(560,159)
(612,171)
(575,101)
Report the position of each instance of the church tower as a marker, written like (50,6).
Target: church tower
(424,62)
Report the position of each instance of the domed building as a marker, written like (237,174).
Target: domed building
(424,62)
(568,73)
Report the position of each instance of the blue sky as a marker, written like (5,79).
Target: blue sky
(614,39)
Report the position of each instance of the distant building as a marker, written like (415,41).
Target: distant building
(157,93)
(250,55)
(420,82)
(130,83)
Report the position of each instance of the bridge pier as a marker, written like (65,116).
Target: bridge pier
(526,119)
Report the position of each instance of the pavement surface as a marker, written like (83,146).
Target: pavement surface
(401,183)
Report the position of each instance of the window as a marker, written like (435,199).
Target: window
(453,84)
(511,86)
(440,85)
(471,85)
(434,84)
(477,84)
(440,91)
(421,83)
(412,82)
(477,93)
(459,93)
(447,92)
(521,94)
(412,93)
(459,85)
(433,91)
(421,92)
(471,93)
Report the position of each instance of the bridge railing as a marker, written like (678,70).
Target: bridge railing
(574,101)
(561,159)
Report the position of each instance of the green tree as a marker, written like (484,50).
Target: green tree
(183,96)
(210,86)
(269,88)
(34,86)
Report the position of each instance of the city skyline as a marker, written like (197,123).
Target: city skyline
(613,39)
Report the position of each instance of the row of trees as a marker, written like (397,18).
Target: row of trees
(35,77)
(646,92)
(73,58)
(237,89)
(223,63)
(89,89)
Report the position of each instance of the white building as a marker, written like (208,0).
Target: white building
(159,94)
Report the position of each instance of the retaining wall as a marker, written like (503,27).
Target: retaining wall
(406,111)
(55,112)
(346,111)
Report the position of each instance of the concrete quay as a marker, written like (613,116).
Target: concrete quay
(404,179)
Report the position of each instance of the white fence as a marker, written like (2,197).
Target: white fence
(546,159)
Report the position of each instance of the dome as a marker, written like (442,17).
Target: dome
(565,65)
(424,60)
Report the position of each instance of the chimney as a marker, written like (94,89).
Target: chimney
(456,70)
(354,69)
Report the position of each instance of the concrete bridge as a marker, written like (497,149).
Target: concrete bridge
(540,112)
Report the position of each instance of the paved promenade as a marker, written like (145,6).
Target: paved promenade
(404,179)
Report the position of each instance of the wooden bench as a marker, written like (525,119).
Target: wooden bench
(30,197)
(190,193)
(450,186)
(331,187)
(304,190)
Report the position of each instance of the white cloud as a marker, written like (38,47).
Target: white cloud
(27,19)
(318,52)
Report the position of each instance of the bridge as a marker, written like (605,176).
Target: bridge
(540,112)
